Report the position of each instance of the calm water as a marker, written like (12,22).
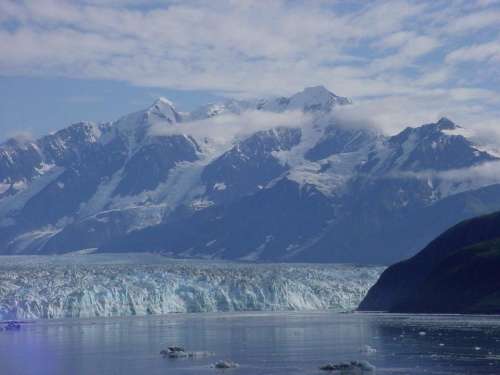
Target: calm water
(263,343)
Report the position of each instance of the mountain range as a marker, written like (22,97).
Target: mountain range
(280,179)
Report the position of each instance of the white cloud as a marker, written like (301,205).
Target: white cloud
(468,94)
(225,45)
(21,136)
(478,52)
(414,47)
(434,77)
(391,114)
(481,175)
(404,62)
(395,40)
(474,21)
(225,128)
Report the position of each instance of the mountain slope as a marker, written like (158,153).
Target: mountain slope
(455,273)
(249,165)
(273,220)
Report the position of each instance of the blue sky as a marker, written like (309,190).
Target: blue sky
(403,62)
(36,105)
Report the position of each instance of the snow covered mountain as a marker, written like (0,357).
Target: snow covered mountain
(276,179)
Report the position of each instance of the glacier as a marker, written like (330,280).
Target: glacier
(110,285)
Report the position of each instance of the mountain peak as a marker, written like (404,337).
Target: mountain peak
(316,98)
(162,100)
(446,124)
(435,127)
(162,108)
(162,103)
(317,90)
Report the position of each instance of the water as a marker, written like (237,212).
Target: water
(262,343)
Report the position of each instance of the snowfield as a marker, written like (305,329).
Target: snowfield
(104,285)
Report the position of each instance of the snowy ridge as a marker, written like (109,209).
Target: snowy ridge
(110,285)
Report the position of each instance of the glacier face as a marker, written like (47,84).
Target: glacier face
(86,286)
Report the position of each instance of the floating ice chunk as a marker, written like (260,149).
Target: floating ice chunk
(179,352)
(174,352)
(330,367)
(352,367)
(226,364)
(367,349)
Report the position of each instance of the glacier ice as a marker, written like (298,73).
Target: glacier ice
(104,285)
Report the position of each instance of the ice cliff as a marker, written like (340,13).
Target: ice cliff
(43,288)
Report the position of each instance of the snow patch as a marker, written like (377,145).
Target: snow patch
(33,240)
(330,175)
(220,186)
(20,185)
(16,202)
(201,204)
(44,168)
(255,255)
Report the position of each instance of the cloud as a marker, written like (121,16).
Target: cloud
(395,40)
(228,46)
(474,21)
(225,128)
(356,117)
(478,52)
(21,136)
(405,62)
(488,173)
(467,94)
(391,114)
(410,50)
(463,179)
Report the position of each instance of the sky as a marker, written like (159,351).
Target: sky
(402,62)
